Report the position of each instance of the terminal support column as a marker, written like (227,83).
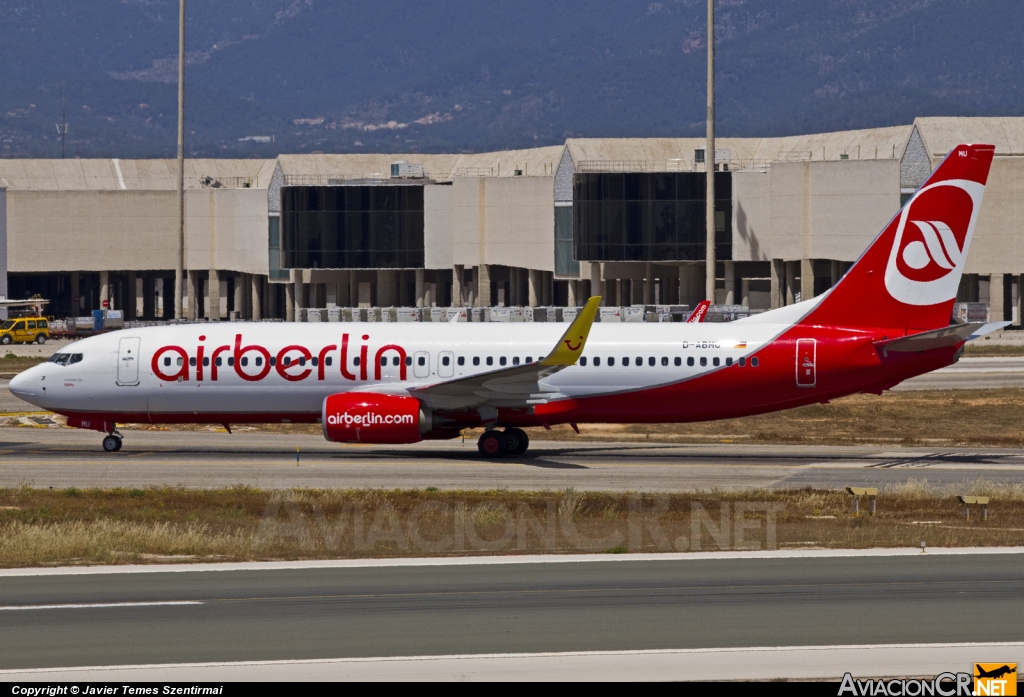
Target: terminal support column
(131,297)
(273,311)
(148,298)
(534,300)
(595,281)
(239,299)
(257,292)
(636,292)
(298,296)
(1020,299)
(791,269)
(483,285)
(778,270)
(213,304)
(420,276)
(289,302)
(385,288)
(458,276)
(104,288)
(806,279)
(837,271)
(730,282)
(193,295)
(648,284)
(353,288)
(996,306)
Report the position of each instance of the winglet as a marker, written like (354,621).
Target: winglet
(570,346)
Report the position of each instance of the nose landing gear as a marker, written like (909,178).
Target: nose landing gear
(511,441)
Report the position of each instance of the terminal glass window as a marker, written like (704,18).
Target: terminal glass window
(649,216)
(565,264)
(359,227)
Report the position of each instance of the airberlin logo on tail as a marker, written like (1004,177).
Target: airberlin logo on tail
(932,237)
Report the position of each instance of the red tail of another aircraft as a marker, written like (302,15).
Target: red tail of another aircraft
(699,312)
(908,278)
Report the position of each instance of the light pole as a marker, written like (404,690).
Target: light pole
(179,268)
(62,127)
(709,160)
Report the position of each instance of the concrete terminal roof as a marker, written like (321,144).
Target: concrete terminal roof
(941,134)
(131,175)
(533,162)
(885,141)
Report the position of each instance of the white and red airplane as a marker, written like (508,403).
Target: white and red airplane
(886,320)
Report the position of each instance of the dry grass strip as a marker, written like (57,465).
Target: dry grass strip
(71,526)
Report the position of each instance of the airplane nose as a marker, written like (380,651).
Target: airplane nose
(22,385)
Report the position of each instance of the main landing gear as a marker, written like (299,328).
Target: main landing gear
(112,442)
(511,441)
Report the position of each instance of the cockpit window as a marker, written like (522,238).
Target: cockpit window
(65,358)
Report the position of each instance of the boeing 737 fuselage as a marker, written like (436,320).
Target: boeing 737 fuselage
(885,321)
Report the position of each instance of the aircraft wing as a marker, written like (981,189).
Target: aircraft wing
(516,386)
(938,338)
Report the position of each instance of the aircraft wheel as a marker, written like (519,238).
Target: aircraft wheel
(517,441)
(111,444)
(492,444)
(41,339)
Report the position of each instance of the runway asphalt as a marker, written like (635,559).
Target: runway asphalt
(61,458)
(296,615)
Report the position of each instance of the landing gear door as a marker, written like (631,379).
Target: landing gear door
(128,361)
(806,363)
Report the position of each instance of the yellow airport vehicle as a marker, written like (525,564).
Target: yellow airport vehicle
(25,330)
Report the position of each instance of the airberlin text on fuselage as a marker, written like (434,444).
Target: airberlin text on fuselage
(253,363)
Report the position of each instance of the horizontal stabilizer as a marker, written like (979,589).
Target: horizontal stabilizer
(937,338)
(988,329)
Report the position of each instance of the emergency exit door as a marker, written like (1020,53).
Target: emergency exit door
(421,364)
(128,361)
(806,358)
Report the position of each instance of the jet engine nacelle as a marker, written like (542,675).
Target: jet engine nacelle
(366,417)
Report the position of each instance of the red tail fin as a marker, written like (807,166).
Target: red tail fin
(698,313)
(908,277)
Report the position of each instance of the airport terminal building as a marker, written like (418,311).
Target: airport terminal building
(623,218)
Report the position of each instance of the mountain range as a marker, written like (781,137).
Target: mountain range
(461,76)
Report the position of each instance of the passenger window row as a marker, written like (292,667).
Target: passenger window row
(286,361)
(677,361)
(71,358)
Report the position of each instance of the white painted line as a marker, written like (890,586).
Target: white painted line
(506,559)
(80,606)
(120,177)
(748,663)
